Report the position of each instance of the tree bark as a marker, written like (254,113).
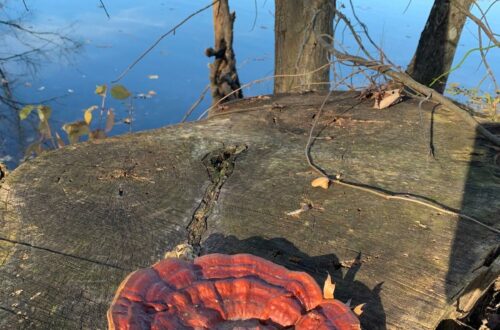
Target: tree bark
(297,52)
(224,81)
(438,43)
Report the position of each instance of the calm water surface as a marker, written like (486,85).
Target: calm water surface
(110,45)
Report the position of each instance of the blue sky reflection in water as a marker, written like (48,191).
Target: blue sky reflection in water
(110,45)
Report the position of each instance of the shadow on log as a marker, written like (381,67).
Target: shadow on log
(283,252)
(74,222)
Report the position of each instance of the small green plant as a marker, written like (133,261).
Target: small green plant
(44,131)
(483,103)
(74,130)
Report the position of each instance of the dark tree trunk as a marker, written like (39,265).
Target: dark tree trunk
(296,48)
(224,79)
(438,42)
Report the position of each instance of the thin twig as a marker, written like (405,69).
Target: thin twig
(379,192)
(483,58)
(195,104)
(316,119)
(150,48)
(444,74)
(255,17)
(105,10)
(393,196)
(478,21)
(25,5)
(407,6)
(405,79)
(257,81)
(365,30)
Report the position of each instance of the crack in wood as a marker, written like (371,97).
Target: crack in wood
(101,263)
(8,310)
(220,165)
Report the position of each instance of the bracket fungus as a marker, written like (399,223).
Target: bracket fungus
(219,291)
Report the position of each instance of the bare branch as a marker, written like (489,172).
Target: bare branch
(424,90)
(196,103)
(479,22)
(150,48)
(483,58)
(104,7)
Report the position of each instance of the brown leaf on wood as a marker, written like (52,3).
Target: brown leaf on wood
(387,98)
(322,182)
(328,288)
(358,310)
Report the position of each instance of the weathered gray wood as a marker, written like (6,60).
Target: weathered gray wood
(224,81)
(75,221)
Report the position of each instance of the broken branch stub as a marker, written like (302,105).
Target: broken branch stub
(223,75)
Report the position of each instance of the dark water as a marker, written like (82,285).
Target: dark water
(108,46)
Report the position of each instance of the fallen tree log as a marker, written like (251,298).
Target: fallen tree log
(76,221)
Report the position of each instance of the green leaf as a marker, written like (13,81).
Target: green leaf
(119,92)
(101,90)
(44,112)
(25,112)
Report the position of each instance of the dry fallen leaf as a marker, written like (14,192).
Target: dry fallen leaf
(358,310)
(328,288)
(322,182)
(389,98)
(127,121)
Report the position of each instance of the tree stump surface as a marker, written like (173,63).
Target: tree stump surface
(76,221)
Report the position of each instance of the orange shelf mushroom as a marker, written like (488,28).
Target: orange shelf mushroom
(219,291)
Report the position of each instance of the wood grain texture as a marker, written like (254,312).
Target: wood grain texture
(298,52)
(438,43)
(75,221)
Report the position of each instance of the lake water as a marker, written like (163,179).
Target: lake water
(178,62)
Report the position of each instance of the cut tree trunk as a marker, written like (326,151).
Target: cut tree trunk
(224,81)
(438,43)
(74,222)
(297,52)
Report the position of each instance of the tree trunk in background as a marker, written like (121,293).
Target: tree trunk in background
(296,48)
(223,75)
(438,42)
